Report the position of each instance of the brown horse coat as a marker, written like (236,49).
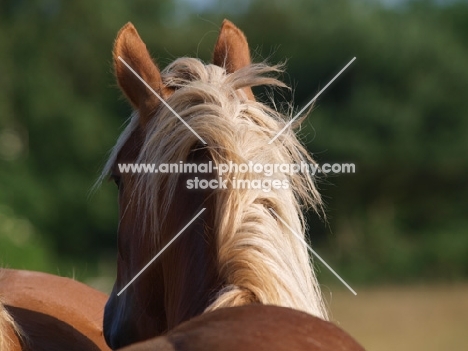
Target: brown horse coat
(252,328)
(52,313)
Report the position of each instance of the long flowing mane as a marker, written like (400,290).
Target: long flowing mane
(7,326)
(5,323)
(259,258)
(8,329)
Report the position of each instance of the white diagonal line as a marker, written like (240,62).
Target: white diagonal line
(162,100)
(311,101)
(162,250)
(313,252)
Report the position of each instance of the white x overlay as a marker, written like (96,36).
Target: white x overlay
(202,210)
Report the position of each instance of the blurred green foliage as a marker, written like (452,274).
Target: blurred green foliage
(399,113)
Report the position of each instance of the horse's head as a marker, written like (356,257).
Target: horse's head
(152,212)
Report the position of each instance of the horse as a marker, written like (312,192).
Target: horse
(241,246)
(9,331)
(44,312)
(252,328)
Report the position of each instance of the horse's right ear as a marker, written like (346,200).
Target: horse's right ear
(232,51)
(131,50)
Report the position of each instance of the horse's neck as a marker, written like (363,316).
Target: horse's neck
(190,266)
(190,276)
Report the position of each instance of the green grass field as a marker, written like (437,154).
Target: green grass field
(426,318)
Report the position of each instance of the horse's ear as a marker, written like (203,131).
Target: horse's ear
(132,50)
(232,50)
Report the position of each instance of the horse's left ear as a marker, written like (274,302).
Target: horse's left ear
(232,51)
(130,50)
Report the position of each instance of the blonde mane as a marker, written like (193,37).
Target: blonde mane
(259,258)
(8,328)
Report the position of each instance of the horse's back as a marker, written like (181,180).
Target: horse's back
(9,340)
(254,327)
(52,312)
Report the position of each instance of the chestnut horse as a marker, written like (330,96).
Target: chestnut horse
(237,251)
(252,328)
(43,312)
